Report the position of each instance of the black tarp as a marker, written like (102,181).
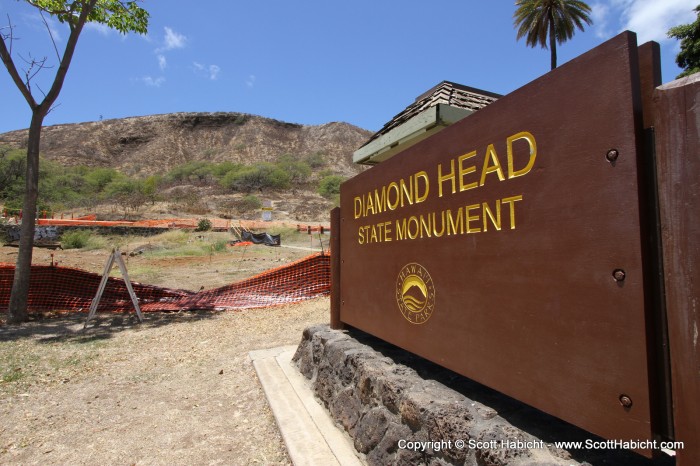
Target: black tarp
(261,238)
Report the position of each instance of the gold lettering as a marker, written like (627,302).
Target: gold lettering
(401,230)
(512,172)
(358,207)
(512,200)
(387,231)
(442,178)
(495,168)
(452,226)
(369,205)
(395,187)
(412,220)
(380,201)
(472,218)
(425,227)
(373,236)
(442,224)
(420,198)
(465,171)
(487,213)
(407,193)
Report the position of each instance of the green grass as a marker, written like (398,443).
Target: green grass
(82,239)
(26,361)
(219,245)
(189,244)
(172,237)
(15,362)
(139,273)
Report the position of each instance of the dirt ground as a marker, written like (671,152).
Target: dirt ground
(176,389)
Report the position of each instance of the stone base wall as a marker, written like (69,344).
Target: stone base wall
(386,399)
(11,232)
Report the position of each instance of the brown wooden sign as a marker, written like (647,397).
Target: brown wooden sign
(509,247)
(677,123)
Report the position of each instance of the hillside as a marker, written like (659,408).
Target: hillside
(154,144)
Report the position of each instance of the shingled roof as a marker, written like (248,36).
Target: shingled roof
(456,102)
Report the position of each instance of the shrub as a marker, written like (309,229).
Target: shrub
(127,193)
(75,239)
(150,187)
(315,160)
(298,171)
(264,175)
(188,200)
(195,172)
(329,186)
(203,225)
(219,245)
(222,169)
(248,203)
(99,178)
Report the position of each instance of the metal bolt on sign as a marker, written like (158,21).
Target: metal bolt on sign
(619,275)
(612,155)
(626,401)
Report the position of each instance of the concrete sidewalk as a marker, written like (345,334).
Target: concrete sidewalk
(308,431)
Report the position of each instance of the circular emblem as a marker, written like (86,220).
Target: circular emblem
(415,293)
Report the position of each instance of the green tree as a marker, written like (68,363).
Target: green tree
(12,169)
(256,177)
(221,169)
(150,187)
(98,178)
(554,20)
(298,170)
(329,186)
(124,16)
(127,193)
(689,35)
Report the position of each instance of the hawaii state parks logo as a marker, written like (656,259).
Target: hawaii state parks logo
(415,293)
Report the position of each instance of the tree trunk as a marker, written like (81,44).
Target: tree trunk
(17,310)
(552,40)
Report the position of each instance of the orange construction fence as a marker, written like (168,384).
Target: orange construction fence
(55,288)
(88,221)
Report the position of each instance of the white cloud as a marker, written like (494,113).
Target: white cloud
(151,81)
(214,71)
(211,71)
(101,29)
(36,22)
(651,19)
(172,40)
(250,82)
(162,62)
(600,13)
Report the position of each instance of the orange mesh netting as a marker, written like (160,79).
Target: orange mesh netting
(62,288)
(89,221)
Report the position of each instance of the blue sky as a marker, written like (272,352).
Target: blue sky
(308,62)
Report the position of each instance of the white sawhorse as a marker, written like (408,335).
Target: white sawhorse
(114,256)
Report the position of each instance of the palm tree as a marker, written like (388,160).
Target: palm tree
(538,20)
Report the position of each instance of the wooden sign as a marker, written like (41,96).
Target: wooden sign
(510,246)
